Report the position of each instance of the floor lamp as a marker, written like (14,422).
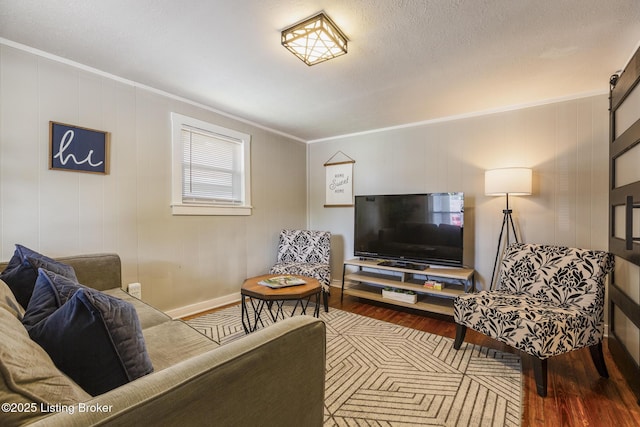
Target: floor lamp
(506,182)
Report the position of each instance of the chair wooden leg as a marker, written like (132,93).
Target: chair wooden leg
(598,359)
(540,374)
(325,300)
(461,331)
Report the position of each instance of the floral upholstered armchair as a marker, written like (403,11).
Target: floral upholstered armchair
(305,252)
(549,301)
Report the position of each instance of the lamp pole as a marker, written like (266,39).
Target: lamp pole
(507,221)
(505,182)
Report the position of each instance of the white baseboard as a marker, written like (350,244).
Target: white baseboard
(199,307)
(335,283)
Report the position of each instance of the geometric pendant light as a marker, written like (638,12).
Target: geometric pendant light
(315,40)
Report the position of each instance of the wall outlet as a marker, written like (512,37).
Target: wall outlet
(135,290)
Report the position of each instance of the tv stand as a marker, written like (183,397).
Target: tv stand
(404,264)
(372,276)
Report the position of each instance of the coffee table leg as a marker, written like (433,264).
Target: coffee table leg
(316,312)
(279,311)
(257,311)
(304,304)
(245,313)
(295,307)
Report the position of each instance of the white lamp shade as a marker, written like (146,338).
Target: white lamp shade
(513,181)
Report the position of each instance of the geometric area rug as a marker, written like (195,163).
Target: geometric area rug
(382,374)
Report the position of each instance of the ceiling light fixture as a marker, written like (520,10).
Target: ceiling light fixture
(315,39)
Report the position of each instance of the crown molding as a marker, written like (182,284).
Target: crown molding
(466,115)
(137,85)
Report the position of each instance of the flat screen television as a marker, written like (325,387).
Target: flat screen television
(410,229)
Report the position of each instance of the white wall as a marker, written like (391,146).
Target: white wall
(179,260)
(186,260)
(566,144)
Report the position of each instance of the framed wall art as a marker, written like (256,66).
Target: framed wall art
(78,149)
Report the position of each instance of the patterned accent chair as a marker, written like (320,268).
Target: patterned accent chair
(549,301)
(306,252)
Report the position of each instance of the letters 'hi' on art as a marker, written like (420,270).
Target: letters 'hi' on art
(78,149)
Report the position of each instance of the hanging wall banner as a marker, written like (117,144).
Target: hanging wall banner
(339,183)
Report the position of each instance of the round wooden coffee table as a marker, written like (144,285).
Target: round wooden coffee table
(261,296)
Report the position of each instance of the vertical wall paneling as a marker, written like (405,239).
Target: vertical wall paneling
(58,191)
(121,196)
(180,261)
(19,164)
(564,143)
(584,197)
(91,188)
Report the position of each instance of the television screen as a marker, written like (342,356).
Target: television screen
(422,228)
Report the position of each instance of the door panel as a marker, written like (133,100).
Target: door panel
(624,231)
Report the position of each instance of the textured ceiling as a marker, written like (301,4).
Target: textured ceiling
(409,60)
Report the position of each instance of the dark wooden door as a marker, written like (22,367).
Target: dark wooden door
(624,218)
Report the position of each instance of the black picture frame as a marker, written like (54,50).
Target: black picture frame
(78,149)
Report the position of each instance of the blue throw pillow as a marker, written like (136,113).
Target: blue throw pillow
(22,270)
(50,293)
(92,337)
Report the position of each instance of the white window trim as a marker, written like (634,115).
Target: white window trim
(177,205)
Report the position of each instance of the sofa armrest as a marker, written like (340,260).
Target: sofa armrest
(274,376)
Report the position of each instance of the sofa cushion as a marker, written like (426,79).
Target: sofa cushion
(148,315)
(22,270)
(94,338)
(172,342)
(8,301)
(28,376)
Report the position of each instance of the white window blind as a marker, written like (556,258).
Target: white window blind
(211,167)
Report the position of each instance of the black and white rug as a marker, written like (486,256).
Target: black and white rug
(381,374)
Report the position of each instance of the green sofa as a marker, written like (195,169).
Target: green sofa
(273,377)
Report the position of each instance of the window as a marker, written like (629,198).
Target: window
(211,173)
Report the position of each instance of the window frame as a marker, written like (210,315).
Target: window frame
(178,206)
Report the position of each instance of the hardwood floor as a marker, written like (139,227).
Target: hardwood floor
(576,394)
